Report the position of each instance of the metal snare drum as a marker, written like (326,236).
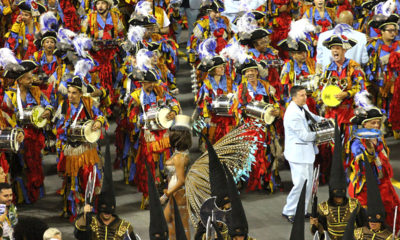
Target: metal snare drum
(261,111)
(8,140)
(157,118)
(221,105)
(31,116)
(82,132)
(325,131)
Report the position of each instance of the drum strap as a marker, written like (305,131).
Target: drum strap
(19,104)
(76,117)
(309,116)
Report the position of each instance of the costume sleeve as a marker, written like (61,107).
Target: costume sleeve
(14,39)
(361,218)
(45,102)
(80,232)
(204,103)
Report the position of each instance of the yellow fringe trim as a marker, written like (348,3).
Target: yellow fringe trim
(75,162)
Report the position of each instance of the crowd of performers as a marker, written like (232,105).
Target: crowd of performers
(68,67)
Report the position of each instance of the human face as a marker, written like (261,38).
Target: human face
(338,200)
(300,57)
(251,74)
(214,15)
(238,238)
(389,32)
(3,175)
(300,98)
(375,124)
(102,7)
(26,80)
(319,3)
(262,44)
(338,54)
(49,45)
(74,95)
(26,17)
(105,216)
(219,70)
(375,226)
(148,87)
(6,196)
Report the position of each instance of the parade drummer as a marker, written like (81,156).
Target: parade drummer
(77,155)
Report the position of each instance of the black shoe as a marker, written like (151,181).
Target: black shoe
(289,218)
(307,215)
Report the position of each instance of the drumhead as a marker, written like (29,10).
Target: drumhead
(268,118)
(162,118)
(14,142)
(328,95)
(91,136)
(36,120)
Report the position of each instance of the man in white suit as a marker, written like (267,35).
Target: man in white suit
(300,149)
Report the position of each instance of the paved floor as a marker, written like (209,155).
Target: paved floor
(263,210)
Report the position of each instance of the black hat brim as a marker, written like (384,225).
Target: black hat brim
(27,66)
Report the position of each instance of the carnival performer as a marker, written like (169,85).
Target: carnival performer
(104,25)
(77,155)
(377,227)
(300,66)
(7,10)
(345,74)
(105,224)
(45,58)
(253,89)
(159,14)
(331,216)
(9,218)
(217,84)
(210,23)
(22,98)
(382,69)
(299,142)
(154,147)
(377,153)
(21,36)
(181,141)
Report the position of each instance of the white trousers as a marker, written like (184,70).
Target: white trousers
(300,172)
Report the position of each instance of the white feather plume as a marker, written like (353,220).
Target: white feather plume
(235,52)
(136,33)
(48,22)
(7,57)
(244,6)
(82,67)
(143,59)
(65,35)
(246,23)
(207,48)
(299,28)
(82,44)
(362,100)
(143,8)
(385,8)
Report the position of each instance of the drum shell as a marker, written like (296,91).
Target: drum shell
(8,140)
(257,110)
(28,118)
(324,131)
(222,105)
(156,120)
(78,134)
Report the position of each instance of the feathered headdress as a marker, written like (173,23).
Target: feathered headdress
(299,29)
(235,52)
(246,24)
(65,36)
(207,49)
(385,8)
(143,59)
(8,60)
(82,44)
(244,6)
(48,22)
(82,67)
(135,34)
(362,99)
(341,29)
(143,8)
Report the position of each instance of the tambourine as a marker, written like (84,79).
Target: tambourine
(367,133)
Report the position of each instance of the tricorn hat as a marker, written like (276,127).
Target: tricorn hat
(15,72)
(31,6)
(363,115)
(380,21)
(339,40)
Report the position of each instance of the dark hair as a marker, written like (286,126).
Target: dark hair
(4,186)
(295,89)
(30,228)
(180,139)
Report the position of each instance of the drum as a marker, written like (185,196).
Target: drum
(8,140)
(328,95)
(157,118)
(324,131)
(82,132)
(367,133)
(261,111)
(221,106)
(31,116)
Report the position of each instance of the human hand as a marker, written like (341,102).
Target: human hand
(275,112)
(171,116)
(19,19)
(314,221)
(20,137)
(342,95)
(46,114)
(96,125)
(96,93)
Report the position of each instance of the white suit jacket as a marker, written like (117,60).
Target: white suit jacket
(299,139)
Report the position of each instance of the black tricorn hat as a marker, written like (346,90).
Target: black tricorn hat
(375,210)
(349,232)
(255,35)
(363,115)
(208,65)
(152,46)
(294,46)
(16,71)
(238,225)
(76,82)
(297,232)
(339,40)
(247,64)
(179,229)
(24,5)
(150,76)
(337,181)
(142,20)
(47,35)
(136,75)
(380,21)
(369,5)
(158,229)
(107,196)
(212,5)
(218,182)
(257,15)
